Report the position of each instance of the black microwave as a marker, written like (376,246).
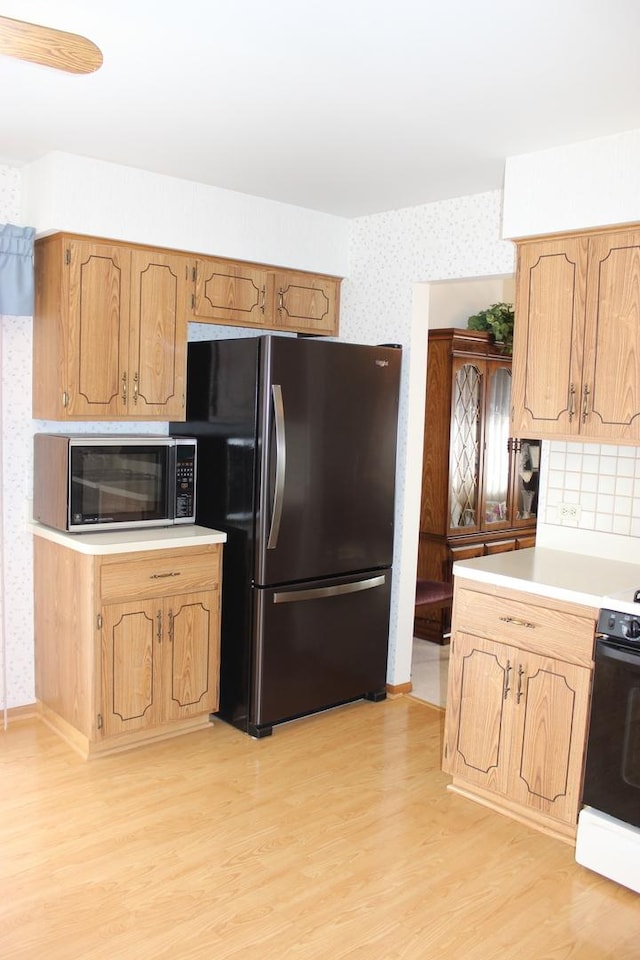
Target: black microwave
(83,483)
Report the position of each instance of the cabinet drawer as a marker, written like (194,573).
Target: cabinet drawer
(159,576)
(547,630)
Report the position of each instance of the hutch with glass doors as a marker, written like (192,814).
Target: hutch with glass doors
(479,484)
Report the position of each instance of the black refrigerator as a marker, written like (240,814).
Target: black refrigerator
(296,463)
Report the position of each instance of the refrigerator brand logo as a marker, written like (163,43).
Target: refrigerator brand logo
(382,363)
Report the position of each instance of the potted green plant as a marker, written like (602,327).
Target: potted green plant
(498,320)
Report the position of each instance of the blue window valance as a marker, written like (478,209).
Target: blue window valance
(16,270)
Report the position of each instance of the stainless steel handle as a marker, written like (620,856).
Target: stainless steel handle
(518,623)
(281,463)
(321,593)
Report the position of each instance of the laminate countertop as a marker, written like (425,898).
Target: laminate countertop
(558,574)
(132,541)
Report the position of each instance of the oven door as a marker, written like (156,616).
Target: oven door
(612,773)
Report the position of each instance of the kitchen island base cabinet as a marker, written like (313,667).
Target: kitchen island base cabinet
(122,657)
(517,707)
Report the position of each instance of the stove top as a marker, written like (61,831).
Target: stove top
(623,601)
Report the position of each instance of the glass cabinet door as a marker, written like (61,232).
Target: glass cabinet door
(496,506)
(526,479)
(464,449)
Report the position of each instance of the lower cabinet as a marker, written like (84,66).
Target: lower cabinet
(127,645)
(517,703)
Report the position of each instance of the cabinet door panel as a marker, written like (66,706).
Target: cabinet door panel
(235,293)
(98,339)
(612,352)
(550,717)
(477,729)
(157,360)
(130,646)
(547,364)
(191,668)
(306,303)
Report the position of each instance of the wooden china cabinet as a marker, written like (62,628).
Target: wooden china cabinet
(479,484)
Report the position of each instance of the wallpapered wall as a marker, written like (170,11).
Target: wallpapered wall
(391,255)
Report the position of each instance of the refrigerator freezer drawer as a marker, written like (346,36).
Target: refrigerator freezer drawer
(319,644)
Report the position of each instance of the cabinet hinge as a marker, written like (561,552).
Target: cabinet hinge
(99,722)
(99,621)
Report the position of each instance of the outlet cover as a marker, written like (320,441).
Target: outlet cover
(569,513)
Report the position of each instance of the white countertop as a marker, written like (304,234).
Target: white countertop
(553,573)
(132,541)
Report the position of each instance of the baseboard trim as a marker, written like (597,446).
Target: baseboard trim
(27,712)
(399,689)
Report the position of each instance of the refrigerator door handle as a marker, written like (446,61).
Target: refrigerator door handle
(321,593)
(281,462)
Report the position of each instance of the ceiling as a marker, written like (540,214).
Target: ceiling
(350,107)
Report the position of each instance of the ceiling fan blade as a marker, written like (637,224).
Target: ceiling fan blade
(49,47)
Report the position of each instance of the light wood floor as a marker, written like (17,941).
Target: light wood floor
(335,838)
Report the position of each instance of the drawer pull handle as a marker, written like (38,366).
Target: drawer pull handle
(519,623)
(160,576)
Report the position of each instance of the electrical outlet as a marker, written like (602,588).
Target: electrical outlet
(569,513)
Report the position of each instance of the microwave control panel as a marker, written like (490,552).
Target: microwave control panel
(185,506)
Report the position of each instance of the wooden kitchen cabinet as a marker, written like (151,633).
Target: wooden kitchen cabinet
(127,645)
(479,484)
(251,295)
(518,702)
(110,330)
(577,337)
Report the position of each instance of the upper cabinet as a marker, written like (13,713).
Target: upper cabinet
(577,337)
(110,331)
(250,295)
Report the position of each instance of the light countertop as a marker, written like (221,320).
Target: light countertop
(559,574)
(131,541)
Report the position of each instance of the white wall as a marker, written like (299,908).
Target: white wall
(574,187)
(65,192)
(394,256)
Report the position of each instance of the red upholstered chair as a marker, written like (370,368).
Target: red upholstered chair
(432,595)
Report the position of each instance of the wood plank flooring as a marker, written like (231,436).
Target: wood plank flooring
(335,838)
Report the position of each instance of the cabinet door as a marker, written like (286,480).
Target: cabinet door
(525,483)
(98,329)
(550,702)
(158,336)
(496,474)
(548,332)
(233,293)
(131,648)
(610,401)
(477,723)
(465,446)
(307,303)
(191,655)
